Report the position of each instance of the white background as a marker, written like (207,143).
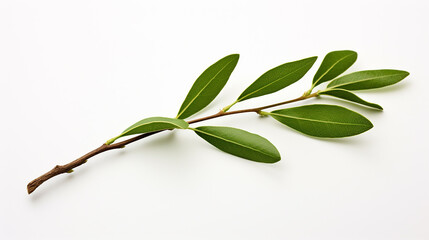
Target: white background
(76,73)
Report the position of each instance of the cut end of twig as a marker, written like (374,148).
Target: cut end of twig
(32,186)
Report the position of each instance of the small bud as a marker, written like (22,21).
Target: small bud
(263,114)
(307,93)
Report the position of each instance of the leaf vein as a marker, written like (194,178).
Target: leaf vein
(316,120)
(366,79)
(329,69)
(202,89)
(259,89)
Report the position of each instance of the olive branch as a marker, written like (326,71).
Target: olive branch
(317,120)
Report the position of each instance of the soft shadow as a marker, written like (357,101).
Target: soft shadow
(353,140)
(165,139)
(51,186)
(160,139)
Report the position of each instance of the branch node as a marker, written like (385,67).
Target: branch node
(262,113)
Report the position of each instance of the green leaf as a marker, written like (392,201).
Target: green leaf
(277,78)
(152,124)
(347,95)
(326,121)
(240,143)
(207,86)
(333,65)
(368,79)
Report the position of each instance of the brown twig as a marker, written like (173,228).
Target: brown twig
(68,168)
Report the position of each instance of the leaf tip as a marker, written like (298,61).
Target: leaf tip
(353,54)
(349,51)
(368,124)
(402,73)
(310,60)
(234,57)
(275,159)
(313,59)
